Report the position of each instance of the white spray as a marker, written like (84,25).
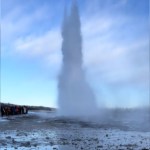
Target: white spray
(75,96)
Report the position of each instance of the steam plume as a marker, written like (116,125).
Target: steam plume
(75,97)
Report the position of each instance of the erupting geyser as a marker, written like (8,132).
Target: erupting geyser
(75,97)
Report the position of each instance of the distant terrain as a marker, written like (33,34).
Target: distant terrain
(32,107)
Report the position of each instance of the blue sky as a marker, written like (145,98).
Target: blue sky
(115,49)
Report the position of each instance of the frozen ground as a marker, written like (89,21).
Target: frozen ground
(44,131)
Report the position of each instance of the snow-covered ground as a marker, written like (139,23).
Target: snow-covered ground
(37,131)
(75,139)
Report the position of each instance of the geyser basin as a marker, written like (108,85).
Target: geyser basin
(75,96)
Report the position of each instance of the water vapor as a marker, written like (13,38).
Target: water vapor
(75,96)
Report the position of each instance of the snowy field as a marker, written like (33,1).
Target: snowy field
(44,131)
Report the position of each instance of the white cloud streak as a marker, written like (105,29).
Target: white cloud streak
(39,45)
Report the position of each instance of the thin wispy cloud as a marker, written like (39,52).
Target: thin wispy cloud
(40,45)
